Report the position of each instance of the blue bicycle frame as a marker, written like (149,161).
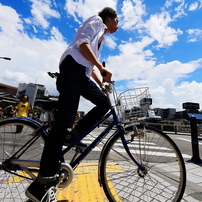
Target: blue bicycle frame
(116,123)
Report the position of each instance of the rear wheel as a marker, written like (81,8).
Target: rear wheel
(164,174)
(14,179)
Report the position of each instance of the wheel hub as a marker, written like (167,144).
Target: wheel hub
(142,173)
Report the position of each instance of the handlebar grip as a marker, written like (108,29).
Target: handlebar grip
(51,74)
(104,74)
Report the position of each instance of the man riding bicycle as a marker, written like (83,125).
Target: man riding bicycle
(76,68)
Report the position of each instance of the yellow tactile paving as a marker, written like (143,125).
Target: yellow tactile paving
(85,187)
(17,179)
(93,168)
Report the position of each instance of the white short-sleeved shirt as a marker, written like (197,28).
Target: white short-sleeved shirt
(89,32)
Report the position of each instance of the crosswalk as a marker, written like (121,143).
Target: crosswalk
(160,150)
(183,139)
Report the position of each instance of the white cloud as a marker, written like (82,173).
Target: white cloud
(194,35)
(110,41)
(180,10)
(170,3)
(164,82)
(84,9)
(134,58)
(135,64)
(56,34)
(157,27)
(132,12)
(177,11)
(31,58)
(10,22)
(187,92)
(193,6)
(41,11)
(200,4)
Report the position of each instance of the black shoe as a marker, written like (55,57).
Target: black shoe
(38,192)
(69,139)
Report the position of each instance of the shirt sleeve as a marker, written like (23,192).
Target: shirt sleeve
(18,106)
(29,107)
(89,31)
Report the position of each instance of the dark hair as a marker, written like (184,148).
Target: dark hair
(27,97)
(107,12)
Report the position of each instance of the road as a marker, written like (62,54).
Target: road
(183,141)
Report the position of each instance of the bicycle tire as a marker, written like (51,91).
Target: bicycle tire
(164,178)
(14,180)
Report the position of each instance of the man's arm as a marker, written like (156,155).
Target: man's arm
(89,55)
(97,80)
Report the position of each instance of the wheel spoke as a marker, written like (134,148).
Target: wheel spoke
(14,179)
(164,176)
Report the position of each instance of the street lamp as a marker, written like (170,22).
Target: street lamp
(5,58)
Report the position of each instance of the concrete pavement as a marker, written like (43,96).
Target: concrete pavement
(193,192)
(86,187)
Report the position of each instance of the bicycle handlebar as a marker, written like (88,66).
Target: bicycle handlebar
(53,75)
(108,86)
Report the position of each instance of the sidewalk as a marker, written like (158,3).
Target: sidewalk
(85,186)
(193,192)
(87,189)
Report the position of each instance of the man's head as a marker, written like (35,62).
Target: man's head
(25,98)
(109,18)
(107,12)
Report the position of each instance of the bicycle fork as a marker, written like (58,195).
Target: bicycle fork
(141,168)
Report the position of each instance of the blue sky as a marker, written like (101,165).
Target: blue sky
(158,44)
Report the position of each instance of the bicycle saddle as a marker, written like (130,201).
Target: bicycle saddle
(46,104)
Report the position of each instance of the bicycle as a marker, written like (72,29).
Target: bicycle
(137,162)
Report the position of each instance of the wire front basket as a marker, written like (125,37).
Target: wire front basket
(134,104)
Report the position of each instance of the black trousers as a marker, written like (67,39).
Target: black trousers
(71,84)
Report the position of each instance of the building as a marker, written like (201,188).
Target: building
(191,109)
(8,95)
(7,99)
(33,91)
(168,113)
(8,89)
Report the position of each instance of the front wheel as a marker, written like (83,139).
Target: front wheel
(15,178)
(164,176)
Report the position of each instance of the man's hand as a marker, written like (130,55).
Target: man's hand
(86,50)
(106,74)
(103,88)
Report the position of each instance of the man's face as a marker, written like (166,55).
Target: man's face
(24,99)
(112,24)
